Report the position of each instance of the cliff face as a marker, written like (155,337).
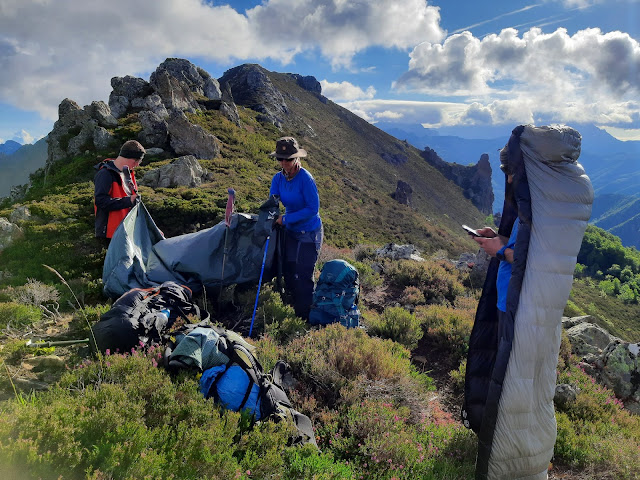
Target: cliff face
(475,181)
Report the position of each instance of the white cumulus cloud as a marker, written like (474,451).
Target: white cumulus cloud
(345,91)
(589,76)
(50,50)
(23,137)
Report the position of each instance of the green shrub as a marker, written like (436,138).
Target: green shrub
(450,326)
(438,279)
(335,364)
(397,324)
(123,417)
(457,377)
(382,442)
(595,431)
(18,315)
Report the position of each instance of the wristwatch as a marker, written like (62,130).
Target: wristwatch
(500,254)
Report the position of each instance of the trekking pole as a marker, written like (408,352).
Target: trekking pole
(255,306)
(227,220)
(59,343)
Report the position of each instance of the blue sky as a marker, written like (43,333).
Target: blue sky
(462,66)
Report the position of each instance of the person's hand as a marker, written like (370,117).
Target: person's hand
(279,220)
(487,232)
(133,198)
(489,245)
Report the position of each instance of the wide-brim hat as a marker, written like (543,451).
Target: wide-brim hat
(287,147)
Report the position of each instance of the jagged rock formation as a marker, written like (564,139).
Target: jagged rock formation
(250,86)
(9,233)
(403,193)
(176,87)
(475,181)
(182,171)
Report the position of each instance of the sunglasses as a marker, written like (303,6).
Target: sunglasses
(286,159)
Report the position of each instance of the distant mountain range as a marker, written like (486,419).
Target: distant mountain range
(18,163)
(9,147)
(612,165)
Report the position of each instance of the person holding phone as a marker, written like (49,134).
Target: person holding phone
(513,350)
(500,247)
(298,192)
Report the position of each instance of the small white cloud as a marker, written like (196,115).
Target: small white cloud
(345,91)
(624,134)
(388,114)
(23,137)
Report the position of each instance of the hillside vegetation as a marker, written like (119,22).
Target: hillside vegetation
(383,399)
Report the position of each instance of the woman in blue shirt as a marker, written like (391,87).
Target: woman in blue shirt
(297,191)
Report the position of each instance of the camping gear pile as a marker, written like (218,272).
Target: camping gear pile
(231,374)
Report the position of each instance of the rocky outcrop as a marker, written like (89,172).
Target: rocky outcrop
(186,73)
(20,213)
(475,181)
(9,233)
(125,91)
(155,130)
(476,264)
(251,87)
(403,193)
(611,361)
(190,139)
(175,87)
(398,252)
(619,370)
(588,338)
(184,171)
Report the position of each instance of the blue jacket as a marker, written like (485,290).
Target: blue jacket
(301,201)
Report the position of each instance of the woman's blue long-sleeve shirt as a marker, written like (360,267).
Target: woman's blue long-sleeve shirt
(301,201)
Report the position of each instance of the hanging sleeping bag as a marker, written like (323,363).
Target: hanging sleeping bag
(336,296)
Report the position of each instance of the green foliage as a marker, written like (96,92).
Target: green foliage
(457,377)
(122,417)
(382,442)
(595,431)
(18,315)
(450,326)
(619,317)
(397,324)
(438,280)
(603,252)
(334,364)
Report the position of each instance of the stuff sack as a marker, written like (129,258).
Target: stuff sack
(336,296)
(142,316)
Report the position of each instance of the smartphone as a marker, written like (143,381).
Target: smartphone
(471,231)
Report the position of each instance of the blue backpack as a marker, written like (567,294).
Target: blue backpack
(336,296)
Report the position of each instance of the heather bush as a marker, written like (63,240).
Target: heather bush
(382,441)
(450,326)
(396,324)
(437,279)
(595,431)
(335,365)
(122,417)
